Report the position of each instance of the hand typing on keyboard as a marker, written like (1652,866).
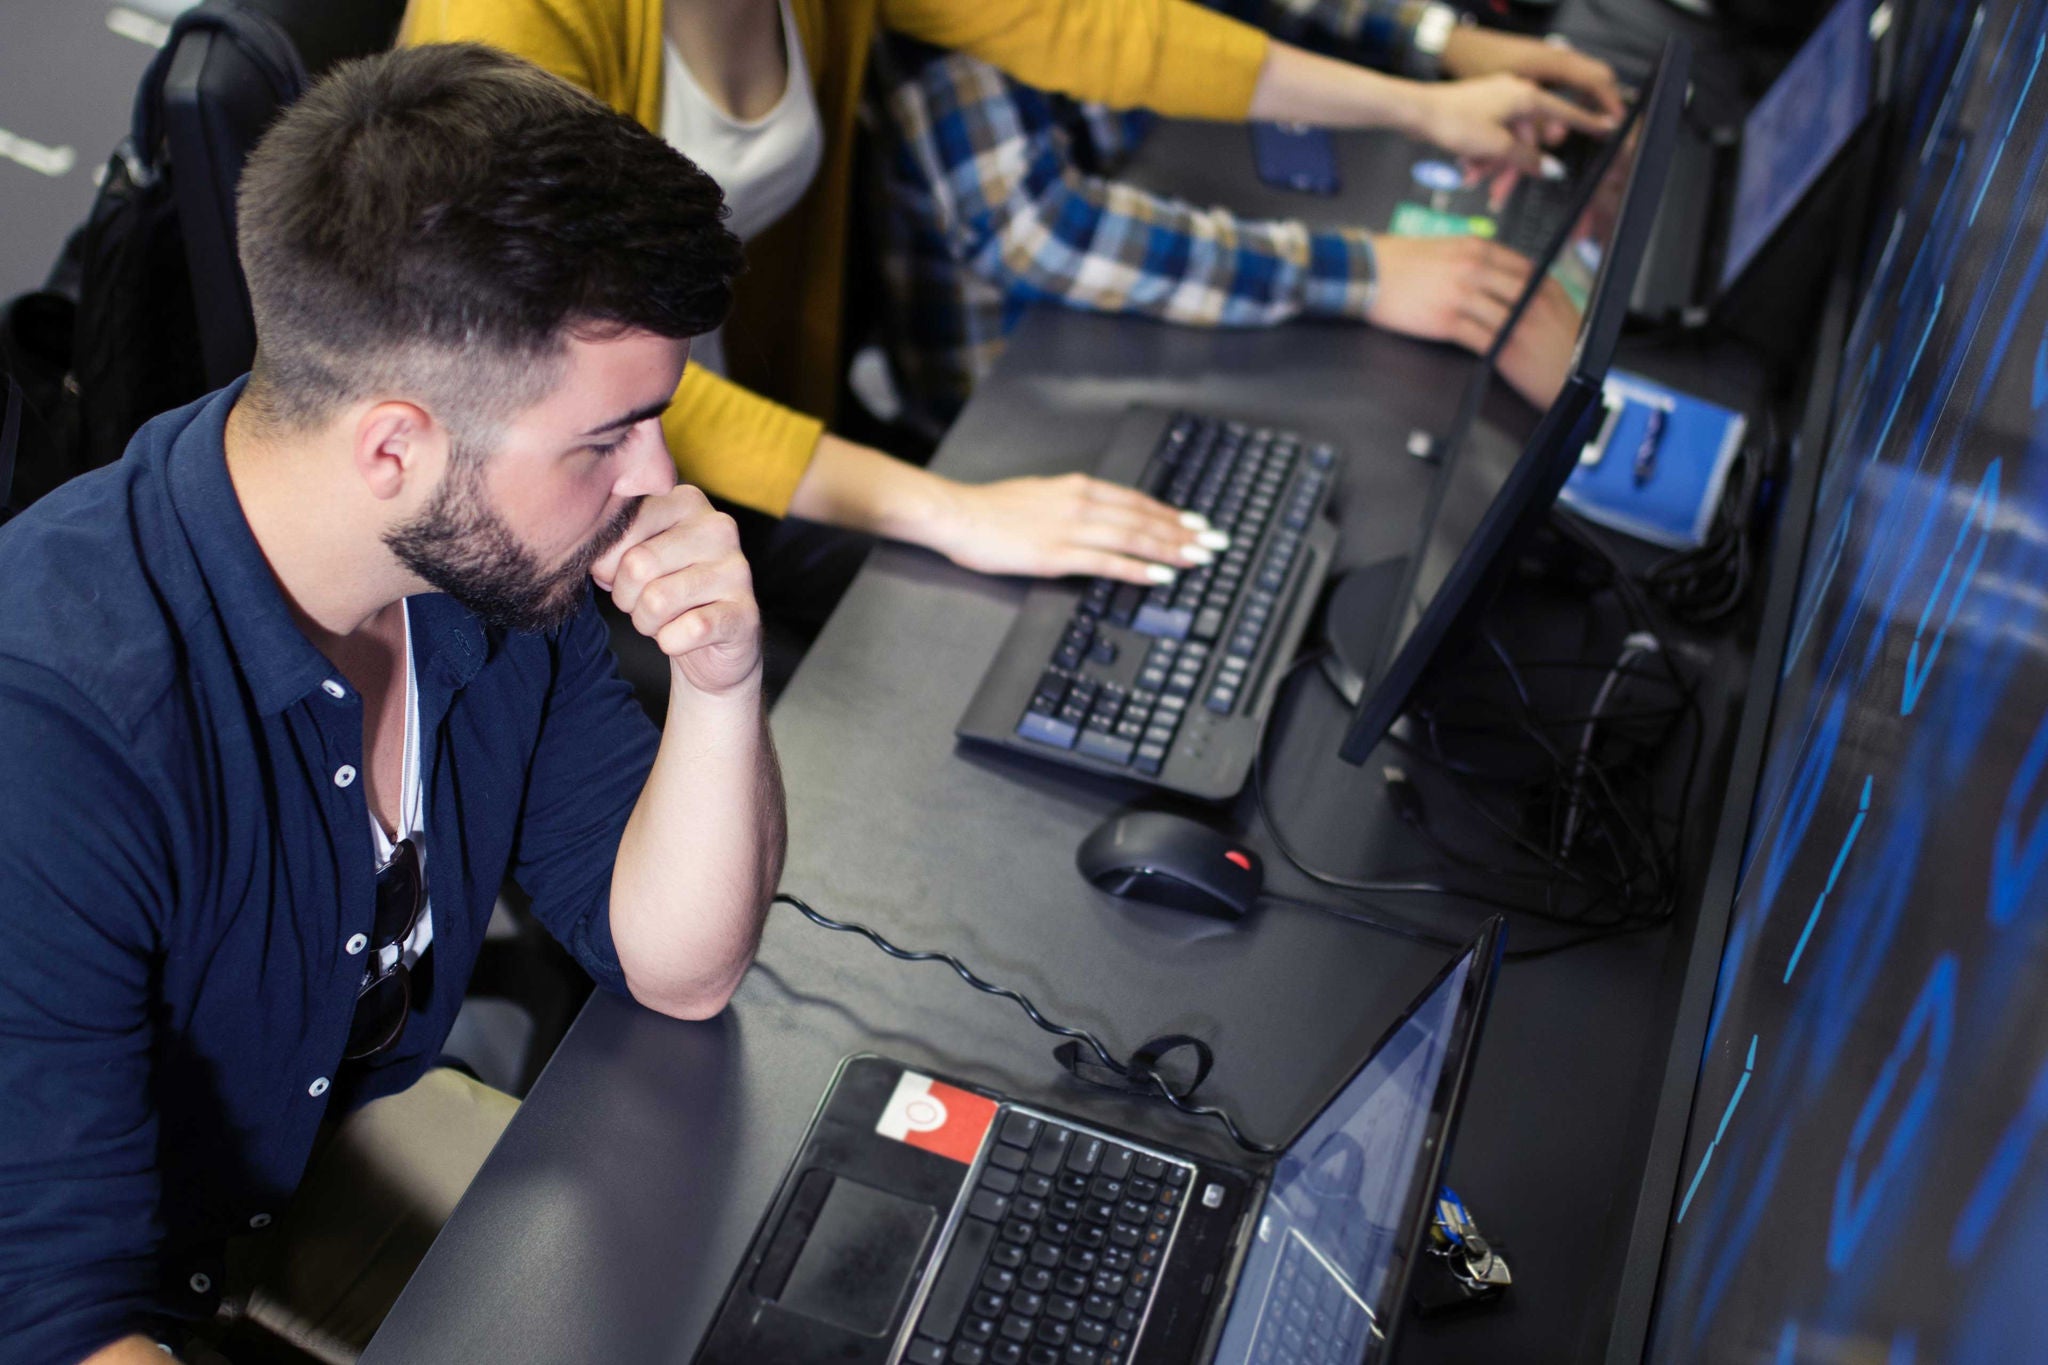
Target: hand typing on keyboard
(1069,524)
(1476,51)
(1456,289)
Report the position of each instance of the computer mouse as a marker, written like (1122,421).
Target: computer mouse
(1173,861)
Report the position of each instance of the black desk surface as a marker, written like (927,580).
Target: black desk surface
(610,1218)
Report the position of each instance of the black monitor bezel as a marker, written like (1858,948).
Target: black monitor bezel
(1552,450)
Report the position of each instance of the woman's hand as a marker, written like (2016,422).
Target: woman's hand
(1499,120)
(1068,524)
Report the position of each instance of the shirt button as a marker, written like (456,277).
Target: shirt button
(317,1088)
(356,943)
(334,689)
(344,775)
(200,1284)
(259,1220)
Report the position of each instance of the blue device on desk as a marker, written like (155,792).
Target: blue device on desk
(1295,156)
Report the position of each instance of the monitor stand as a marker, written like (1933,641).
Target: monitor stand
(1355,619)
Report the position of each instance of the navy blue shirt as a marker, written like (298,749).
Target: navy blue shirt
(185,856)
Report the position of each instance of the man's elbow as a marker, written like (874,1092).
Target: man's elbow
(695,1001)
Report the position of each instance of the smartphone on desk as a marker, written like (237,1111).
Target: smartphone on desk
(1295,156)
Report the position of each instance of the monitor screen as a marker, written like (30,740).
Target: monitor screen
(1796,128)
(1524,419)
(1515,392)
(1341,1220)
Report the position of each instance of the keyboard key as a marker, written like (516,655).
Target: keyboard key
(1036,1279)
(1015,1328)
(924,1351)
(998,1280)
(1163,619)
(989,1205)
(997,1179)
(967,1353)
(1207,623)
(1085,1155)
(1055,731)
(1051,1149)
(1116,1162)
(1019,1130)
(1035,1186)
(1007,1158)
(1108,748)
(957,1279)
(1123,604)
(1149,759)
(1103,651)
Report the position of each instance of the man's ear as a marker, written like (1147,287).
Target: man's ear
(396,445)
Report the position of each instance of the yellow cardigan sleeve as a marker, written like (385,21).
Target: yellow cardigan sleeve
(732,442)
(1171,56)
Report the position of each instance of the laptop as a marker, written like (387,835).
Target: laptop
(928,1221)
(1731,190)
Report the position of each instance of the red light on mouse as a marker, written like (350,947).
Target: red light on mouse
(1240,859)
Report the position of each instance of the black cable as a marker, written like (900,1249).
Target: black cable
(1150,1082)
(1334,879)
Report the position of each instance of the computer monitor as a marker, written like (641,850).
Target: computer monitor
(1796,129)
(1525,417)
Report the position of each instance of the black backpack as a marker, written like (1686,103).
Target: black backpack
(140,346)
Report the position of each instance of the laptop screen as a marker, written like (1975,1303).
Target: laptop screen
(1334,1237)
(1796,128)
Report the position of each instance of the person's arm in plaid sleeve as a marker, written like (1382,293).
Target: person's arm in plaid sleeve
(1017,211)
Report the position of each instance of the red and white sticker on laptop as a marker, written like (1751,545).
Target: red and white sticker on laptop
(937,1117)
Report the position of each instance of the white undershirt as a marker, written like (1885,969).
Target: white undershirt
(764,165)
(411,814)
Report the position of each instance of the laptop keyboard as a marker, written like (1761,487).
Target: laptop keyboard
(1197,637)
(1309,1317)
(1058,1257)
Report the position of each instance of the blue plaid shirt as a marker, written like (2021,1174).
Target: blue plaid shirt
(1000,195)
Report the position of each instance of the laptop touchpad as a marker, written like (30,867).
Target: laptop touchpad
(855,1266)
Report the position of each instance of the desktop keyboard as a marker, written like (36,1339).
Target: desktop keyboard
(1169,685)
(1057,1258)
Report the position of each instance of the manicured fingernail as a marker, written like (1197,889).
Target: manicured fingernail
(1553,169)
(1159,573)
(1214,540)
(1194,521)
(1195,554)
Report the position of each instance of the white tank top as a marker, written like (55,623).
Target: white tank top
(764,165)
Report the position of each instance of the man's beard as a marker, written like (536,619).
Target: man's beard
(462,546)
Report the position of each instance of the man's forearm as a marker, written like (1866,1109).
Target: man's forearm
(701,855)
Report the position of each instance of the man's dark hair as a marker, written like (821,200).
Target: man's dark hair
(434,222)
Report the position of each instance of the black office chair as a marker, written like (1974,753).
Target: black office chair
(222,89)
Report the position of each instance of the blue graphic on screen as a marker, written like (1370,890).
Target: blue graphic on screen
(1327,1250)
(1797,127)
(1866,1175)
